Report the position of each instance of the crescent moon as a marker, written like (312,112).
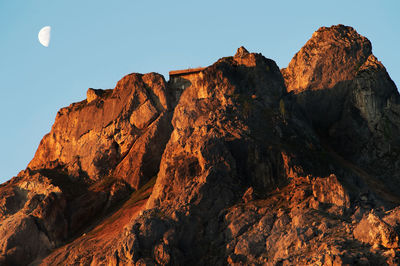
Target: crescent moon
(44,36)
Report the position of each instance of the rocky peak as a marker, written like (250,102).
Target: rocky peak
(111,131)
(333,54)
(233,169)
(349,97)
(241,52)
(235,90)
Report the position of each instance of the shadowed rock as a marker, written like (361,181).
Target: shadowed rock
(237,163)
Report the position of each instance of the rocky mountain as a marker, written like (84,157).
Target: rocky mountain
(239,163)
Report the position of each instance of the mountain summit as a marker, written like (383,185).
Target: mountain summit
(236,163)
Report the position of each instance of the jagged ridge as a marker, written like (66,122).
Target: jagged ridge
(253,167)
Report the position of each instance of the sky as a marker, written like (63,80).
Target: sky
(95,43)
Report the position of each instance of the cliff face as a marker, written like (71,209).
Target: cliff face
(120,132)
(332,54)
(248,165)
(350,98)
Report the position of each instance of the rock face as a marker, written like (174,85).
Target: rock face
(239,163)
(332,54)
(360,119)
(120,132)
(329,191)
(211,122)
(374,231)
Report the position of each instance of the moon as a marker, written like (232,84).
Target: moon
(44,36)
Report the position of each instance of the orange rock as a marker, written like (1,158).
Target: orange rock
(227,165)
(95,137)
(329,190)
(374,231)
(341,46)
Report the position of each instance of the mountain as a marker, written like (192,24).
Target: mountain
(237,163)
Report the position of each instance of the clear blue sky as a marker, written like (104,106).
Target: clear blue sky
(95,43)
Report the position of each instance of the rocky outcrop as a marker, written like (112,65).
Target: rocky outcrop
(211,123)
(93,94)
(40,210)
(332,54)
(97,151)
(350,99)
(330,191)
(211,155)
(120,132)
(374,231)
(237,163)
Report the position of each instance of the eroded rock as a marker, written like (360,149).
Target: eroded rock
(329,190)
(372,230)
(242,166)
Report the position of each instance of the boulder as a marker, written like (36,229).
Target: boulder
(329,190)
(372,230)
